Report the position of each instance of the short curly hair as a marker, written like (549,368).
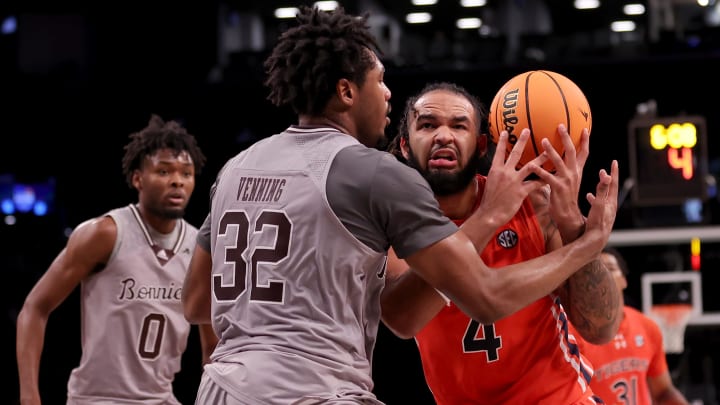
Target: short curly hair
(309,59)
(406,117)
(159,135)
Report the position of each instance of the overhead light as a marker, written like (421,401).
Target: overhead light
(622,26)
(634,9)
(326,5)
(473,3)
(286,12)
(586,4)
(703,3)
(418,18)
(468,23)
(424,2)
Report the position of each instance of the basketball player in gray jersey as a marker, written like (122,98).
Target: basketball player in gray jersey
(130,263)
(291,269)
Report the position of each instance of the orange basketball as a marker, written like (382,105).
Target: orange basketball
(539,100)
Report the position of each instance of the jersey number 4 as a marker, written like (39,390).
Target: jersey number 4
(488,342)
(271,292)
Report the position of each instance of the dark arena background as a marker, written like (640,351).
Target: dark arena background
(76,79)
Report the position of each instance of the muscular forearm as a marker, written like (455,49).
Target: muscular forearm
(571,229)
(593,303)
(480,229)
(408,304)
(30,340)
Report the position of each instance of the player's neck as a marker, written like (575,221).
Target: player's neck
(324,121)
(161,225)
(460,205)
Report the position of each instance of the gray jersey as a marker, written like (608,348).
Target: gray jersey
(297,276)
(133,328)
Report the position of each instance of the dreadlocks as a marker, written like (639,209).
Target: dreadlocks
(159,135)
(309,59)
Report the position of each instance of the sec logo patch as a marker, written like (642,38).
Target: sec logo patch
(507,238)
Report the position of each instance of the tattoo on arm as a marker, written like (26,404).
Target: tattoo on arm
(593,300)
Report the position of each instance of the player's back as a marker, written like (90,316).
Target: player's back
(296,296)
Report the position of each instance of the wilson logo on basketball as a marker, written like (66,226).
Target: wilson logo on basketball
(539,100)
(510,119)
(507,239)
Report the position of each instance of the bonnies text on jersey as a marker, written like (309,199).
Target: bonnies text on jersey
(260,189)
(130,290)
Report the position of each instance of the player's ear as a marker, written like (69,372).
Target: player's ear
(137,179)
(482,145)
(345,91)
(404,148)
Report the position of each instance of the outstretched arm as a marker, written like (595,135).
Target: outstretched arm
(88,247)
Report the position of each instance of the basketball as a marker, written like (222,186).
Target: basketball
(539,100)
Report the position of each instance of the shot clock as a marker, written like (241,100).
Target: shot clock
(668,159)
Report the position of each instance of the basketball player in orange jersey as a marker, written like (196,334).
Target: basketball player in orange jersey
(130,264)
(632,368)
(527,357)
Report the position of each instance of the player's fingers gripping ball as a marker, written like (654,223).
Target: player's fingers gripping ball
(539,100)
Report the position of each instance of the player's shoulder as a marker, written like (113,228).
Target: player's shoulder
(104,223)
(100,230)
(374,164)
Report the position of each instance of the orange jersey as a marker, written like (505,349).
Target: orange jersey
(623,365)
(525,358)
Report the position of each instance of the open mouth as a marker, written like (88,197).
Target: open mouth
(443,158)
(176,199)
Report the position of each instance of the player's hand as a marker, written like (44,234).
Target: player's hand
(565,183)
(506,187)
(603,208)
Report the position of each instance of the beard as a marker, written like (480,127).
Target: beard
(173,213)
(444,183)
(166,212)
